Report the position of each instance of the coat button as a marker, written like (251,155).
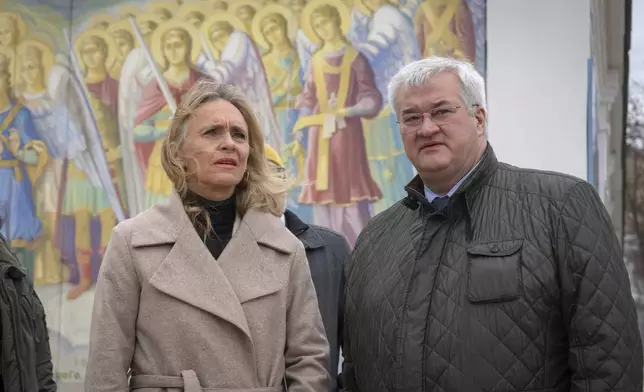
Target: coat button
(494,249)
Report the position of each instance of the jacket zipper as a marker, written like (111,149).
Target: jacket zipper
(451,221)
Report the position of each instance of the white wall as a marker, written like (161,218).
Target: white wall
(537,82)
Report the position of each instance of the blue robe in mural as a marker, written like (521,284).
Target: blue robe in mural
(21,225)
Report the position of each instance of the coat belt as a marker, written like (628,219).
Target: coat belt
(188,382)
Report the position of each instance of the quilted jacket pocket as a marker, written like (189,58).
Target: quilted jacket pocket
(494,271)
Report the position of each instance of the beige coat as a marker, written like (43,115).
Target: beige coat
(178,318)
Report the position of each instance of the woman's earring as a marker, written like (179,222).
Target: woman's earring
(246,175)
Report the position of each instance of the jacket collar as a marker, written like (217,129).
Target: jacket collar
(468,189)
(305,233)
(190,273)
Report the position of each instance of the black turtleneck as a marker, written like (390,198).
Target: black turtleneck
(222,216)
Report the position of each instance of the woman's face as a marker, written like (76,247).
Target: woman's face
(215,151)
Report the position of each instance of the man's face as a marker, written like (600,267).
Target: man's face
(440,148)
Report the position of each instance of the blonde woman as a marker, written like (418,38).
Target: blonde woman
(209,290)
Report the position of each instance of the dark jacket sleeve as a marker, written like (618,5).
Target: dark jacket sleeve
(605,348)
(344,252)
(44,366)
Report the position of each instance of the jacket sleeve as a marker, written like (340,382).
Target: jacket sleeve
(344,252)
(44,366)
(307,350)
(605,348)
(113,330)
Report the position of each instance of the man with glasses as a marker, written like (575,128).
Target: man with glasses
(486,277)
(327,252)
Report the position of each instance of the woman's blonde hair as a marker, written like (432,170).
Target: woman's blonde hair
(261,187)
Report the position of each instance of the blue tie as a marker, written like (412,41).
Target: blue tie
(440,202)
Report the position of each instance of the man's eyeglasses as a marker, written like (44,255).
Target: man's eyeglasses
(412,122)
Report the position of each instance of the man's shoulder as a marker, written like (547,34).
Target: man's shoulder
(395,216)
(550,184)
(330,237)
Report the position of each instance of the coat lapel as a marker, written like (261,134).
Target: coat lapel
(190,273)
(252,272)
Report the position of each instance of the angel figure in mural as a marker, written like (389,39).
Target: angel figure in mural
(23,158)
(121,32)
(192,13)
(144,120)
(12,29)
(445,28)
(274,30)
(385,35)
(96,53)
(164,10)
(65,123)
(245,10)
(340,91)
(233,58)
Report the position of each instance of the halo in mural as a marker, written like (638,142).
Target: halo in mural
(163,9)
(128,10)
(223,17)
(362,7)
(122,25)
(310,8)
(175,24)
(268,11)
(88,35)
(237,4)
(18,21)
(46,53)
(101,21)
(187,10)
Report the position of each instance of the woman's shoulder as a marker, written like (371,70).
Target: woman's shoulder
(154,224)
(269,230)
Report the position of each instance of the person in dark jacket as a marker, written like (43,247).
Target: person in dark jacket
(327,251)
(25,360)
(486,277)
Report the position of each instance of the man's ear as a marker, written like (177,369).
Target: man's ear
(481,118)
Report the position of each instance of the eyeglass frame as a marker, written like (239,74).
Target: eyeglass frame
(453,109)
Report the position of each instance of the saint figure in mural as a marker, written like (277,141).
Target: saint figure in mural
(445,28)
(175,46)
(340,91)
(385,35)
(234,59)
(96,52)
(274,30)
(245,11)
(23,158)
(121,32)
(12,29)
(35,60)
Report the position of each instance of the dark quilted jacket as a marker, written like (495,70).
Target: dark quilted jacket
(518,285)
